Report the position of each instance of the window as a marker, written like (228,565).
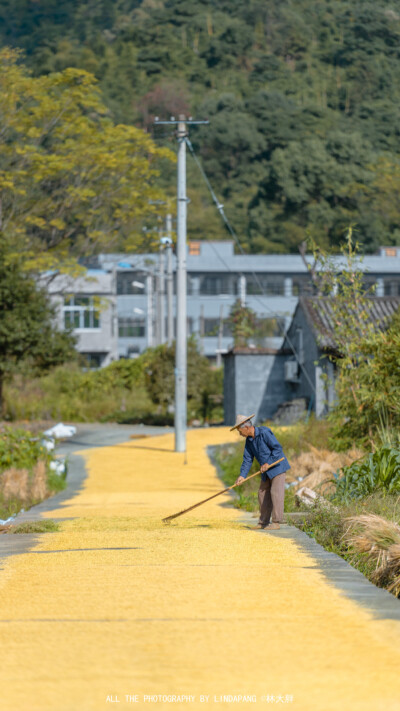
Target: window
(302,285)
(189,325)
(270,284)
(94,360)
(80,312)
(391,252)
(194,249)
(131,327)
(391,286)
(216,284)
(131,282)
(268,328)
(211,328)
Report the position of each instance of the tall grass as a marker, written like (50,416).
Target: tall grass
(68,394)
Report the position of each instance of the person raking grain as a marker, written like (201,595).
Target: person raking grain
(262,444)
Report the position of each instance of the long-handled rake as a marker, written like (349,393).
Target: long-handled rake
(169,518)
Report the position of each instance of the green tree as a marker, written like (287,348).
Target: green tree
(71,181)
(28,335)
(368,407)
(204,383)
(242,322)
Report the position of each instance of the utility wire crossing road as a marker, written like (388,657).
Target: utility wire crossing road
(120,606)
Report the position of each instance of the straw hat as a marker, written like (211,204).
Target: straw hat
(240,420)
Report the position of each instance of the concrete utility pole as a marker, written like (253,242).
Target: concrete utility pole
(181,324)
(220,334)
(202,328)
(149,314)
(170,283)
(161,298)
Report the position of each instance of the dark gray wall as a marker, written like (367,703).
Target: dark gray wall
(276,390)
(318,393)
(229,389)
(311,353)
(253,382)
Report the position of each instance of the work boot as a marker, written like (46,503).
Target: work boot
(273,526)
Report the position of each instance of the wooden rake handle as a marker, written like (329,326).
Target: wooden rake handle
(169,518)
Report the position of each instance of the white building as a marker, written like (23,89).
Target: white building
(270,284)
(88,303)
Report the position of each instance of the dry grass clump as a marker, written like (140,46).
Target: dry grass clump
(26,487)
(39,489)
(379,539)
(15,484)
(41,526)
(315,467)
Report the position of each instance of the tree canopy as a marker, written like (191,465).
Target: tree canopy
(28,333)
(302,98)
(72,182)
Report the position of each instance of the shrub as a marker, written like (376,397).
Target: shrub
(20,449)
(377,471)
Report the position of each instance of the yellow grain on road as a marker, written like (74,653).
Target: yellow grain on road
(118,604)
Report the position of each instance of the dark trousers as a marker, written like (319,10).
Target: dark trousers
(271,495)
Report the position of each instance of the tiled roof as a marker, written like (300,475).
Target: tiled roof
(320,315)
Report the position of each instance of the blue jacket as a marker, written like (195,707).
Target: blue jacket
(266,449)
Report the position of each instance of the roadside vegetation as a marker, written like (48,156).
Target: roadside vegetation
(27,476)
(127,391)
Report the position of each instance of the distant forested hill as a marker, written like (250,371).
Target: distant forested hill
(303,100)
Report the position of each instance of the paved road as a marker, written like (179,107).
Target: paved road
(117,604)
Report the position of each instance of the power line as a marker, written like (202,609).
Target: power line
(232,232)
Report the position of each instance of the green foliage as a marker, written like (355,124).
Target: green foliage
(71,394)
(129,390)
(72,181)
(366,356)
(368,406)
(204,383)
(27,331)
(242,323)
(21,449)
(377,471)
(350,315)
(302,101)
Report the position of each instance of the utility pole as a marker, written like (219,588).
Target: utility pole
(170,283)
(161,297)
(220,334)
(202,328)
(181,324)
(149,314)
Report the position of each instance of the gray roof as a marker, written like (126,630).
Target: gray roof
(219,256)
(320,315)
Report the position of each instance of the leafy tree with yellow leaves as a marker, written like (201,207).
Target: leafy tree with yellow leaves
(71,181)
